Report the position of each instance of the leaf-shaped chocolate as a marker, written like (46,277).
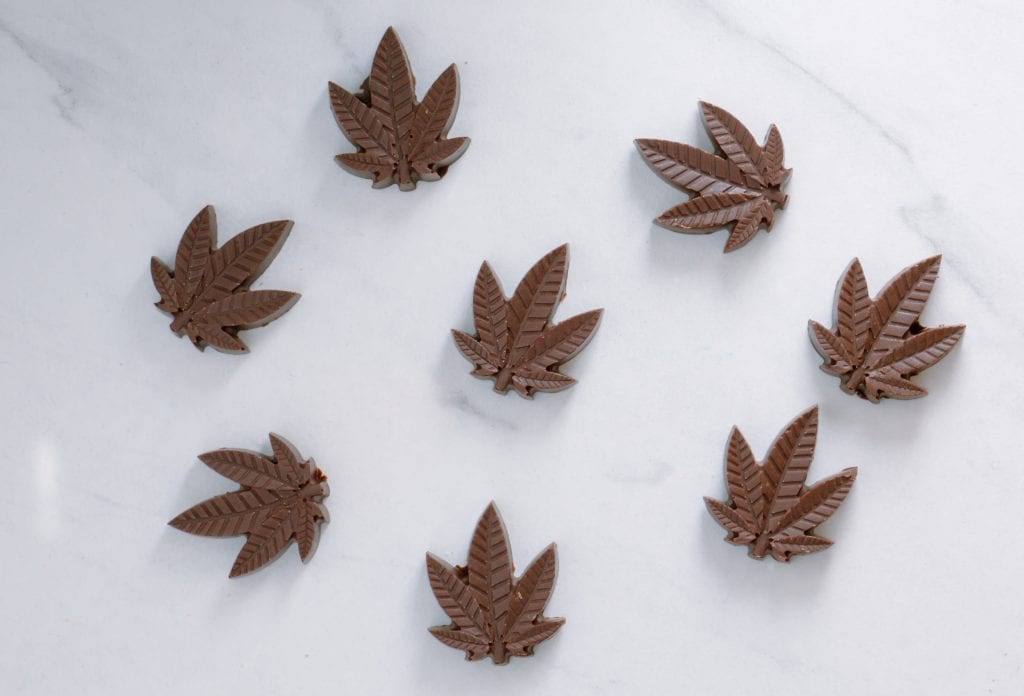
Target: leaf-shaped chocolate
(392,90)
(265,542)
(293,469)
(398,139)
(743,476)
(741,530)
(536,633)
(458,600)
(853,310)
(876,346)
(246,310)
(816,505)
(492,612)
(741,183)
(208,294)
(490,568)
(773,157)
(532,593)
(691,169)
(527,380)
(194,253)
(229,514)
(490,312)
(250,469)
(559,343)
(165,285)
(514,342)
(280,499)
(785,547)
(708,212)
(243,259)
(770,509)
(785,468)
(733,138)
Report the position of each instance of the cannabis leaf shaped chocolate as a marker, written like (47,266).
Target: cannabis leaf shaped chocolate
(493,613)
(397,137)
(876,346)
(771,509)
(741,182)
(513,342)
(281,499)
(208,291)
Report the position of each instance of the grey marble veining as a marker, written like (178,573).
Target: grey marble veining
(122,119)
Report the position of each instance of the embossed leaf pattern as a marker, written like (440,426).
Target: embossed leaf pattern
(739,184)
(398,139)
(492,612)
(771,510)
(208,291)
(876,346)
(515,342)
(280,499)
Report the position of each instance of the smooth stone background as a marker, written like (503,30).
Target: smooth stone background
(903,123)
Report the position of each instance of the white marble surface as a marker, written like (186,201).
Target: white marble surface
(903,122)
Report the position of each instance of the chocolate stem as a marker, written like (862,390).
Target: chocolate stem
(404,178)
(761,546)
(179,322)
(777,196)
(855,380)
(498,652)
(503,380)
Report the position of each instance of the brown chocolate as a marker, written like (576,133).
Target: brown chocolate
(771,510)
(280,499)
(513,343)
(492,612)
(876,346)
(208,292)
(398,138)
(741,182)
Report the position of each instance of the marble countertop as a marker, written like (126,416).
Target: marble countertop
(903,123)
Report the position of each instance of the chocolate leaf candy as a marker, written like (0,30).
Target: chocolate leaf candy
(398,138)
(741,182)
(492,612)
(876,346)
(280,499)
(771,510)
(208,292)
(514,343)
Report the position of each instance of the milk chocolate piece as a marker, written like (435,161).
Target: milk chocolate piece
(398,138)
(280,499)
(208,292)
(492,612)
(876,346)
(741,182)
(771,510)
(513,343)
